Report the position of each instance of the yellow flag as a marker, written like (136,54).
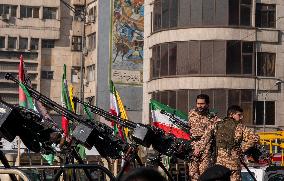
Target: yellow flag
(71,89)
(122,111)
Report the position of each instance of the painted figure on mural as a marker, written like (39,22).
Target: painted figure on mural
(128,23)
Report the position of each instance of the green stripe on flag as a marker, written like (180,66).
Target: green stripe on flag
(155,105)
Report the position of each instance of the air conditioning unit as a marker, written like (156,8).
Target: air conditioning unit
(5,17)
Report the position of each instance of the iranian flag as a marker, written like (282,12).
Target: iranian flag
(22,95)
(117,109)
(164,121)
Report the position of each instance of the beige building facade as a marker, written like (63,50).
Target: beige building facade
(48,34)
(231,50)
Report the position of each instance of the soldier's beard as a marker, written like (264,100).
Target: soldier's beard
(202,111)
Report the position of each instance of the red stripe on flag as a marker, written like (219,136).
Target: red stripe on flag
(172,130)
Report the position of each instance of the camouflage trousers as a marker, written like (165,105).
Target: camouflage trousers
(197,167)
(235,175)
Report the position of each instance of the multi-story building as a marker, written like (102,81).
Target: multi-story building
(231,50)
(46,34)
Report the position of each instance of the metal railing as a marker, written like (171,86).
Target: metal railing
(20,173)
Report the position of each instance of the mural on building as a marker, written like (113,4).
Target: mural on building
(127,33)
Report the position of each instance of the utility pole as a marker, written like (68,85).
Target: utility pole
(82,17)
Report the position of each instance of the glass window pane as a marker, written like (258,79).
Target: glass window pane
(208,11)
(206,57)
(234,97)
(13,11)
(164,59)
(233,63)
(194,57)
(247,47)
(34,43)
(172,99)
(247,64)
(157,15)
(266,64)
(182,100)
(184,13)
(12,42)
(23,43)
(23,10)
(174,13)
(29,12)
(172,58)
(219,58)
(196,13)
(234,12)
(182,58)
(221,12)
(248,2)
(164,97)
(245,15)
(247,95)
(248,113)
(165,13)
(270,113)
(6,8)
(220,102)
(35,12)
(2,42)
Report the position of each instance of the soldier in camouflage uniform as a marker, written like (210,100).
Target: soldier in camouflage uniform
(232,139)
(199,120)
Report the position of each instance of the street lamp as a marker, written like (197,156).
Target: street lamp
(277,83)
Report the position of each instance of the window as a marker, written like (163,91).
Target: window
(8,9)
(2,42)
(264,111)
(239,58)
(48,43)
(47,74)
(12,42)
(23,43)
(92,14)
(75,75)
(34,43)
(79,13)
(49,13)
(157,15)
(76,43)
(92,41)
(266,64)
(220,100)
(240,12)
(91,73)
(265,15)
(165,14)
(29,12)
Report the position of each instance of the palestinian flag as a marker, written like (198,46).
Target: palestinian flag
(164,122)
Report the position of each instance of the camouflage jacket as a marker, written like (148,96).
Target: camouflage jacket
(198,125)
(230,159)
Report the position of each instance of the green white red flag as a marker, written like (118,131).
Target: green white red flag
(22,96)
(117,109)
(164,122)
